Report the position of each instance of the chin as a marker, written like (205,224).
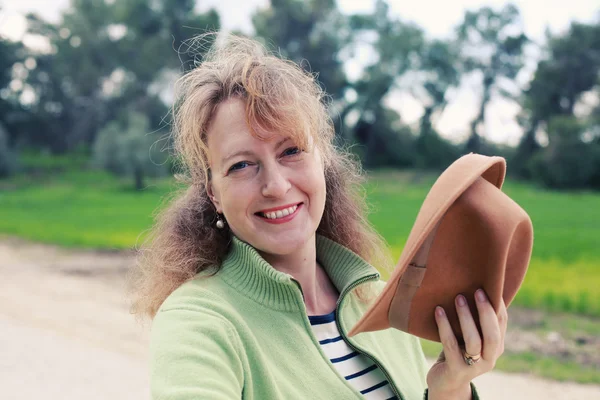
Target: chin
(284,244)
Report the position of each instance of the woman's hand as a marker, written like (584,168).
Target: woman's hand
(450,376)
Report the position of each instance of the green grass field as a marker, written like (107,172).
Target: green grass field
(92,209)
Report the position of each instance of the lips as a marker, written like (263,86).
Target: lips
(278,208)
(279,214)
(266,210)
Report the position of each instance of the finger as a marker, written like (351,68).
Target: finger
(452,351)
(492,338)
(468,327)
(502,314)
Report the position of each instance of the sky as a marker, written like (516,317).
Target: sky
(436,17)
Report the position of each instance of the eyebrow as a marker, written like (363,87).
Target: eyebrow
(249,153)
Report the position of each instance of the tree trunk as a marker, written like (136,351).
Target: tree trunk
(474,144)
(139,177)
(526,149)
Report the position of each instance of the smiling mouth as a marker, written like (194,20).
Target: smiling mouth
(279,214)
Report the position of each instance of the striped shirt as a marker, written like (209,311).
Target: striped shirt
(358,369)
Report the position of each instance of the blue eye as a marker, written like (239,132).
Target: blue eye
(291,151)
(238,166)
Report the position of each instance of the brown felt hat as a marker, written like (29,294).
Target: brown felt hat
(468,235)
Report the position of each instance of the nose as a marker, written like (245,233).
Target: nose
(275,182)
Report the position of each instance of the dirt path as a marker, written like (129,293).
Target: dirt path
(65,332)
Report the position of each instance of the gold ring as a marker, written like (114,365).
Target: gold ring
(471,359)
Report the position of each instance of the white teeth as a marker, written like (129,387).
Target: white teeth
(280,213)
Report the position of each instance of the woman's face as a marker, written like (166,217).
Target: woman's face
(271,193)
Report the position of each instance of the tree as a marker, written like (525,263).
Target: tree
(129,149)
(491,43)
(593,131)
(440,72)
(12,112)
(68,80)
(106,57)
(311,33)
(568,162)
(570,68)
(398,46)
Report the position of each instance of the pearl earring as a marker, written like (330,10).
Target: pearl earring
(220,224)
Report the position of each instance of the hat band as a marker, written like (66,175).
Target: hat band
(409,283)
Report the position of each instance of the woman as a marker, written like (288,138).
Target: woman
(256,272)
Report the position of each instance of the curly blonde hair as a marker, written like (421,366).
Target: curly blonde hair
(279,96)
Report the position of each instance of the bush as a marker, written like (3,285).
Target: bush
(386,142)
(434,152)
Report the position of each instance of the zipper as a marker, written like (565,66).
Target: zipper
(355,348)
(346,339)
(299,287)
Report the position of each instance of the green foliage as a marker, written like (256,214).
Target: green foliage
(441,69)
(432,151)
(574,54)
(12,113)
(313,34)
(570,68)
(568,162)
(386,140)
(130,150)
(106,57)
(439,66)
(310,33)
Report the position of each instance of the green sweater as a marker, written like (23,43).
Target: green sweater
(244,333)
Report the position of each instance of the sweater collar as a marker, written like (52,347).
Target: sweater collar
(246,271)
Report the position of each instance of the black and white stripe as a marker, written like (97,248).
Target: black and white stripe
(358,370)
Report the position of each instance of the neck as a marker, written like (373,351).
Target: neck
(320,295)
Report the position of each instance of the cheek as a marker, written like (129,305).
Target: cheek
(320,179)
(232,197)
(315,183)
(239,197)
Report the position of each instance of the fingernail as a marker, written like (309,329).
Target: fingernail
(480,296)
(460,299)
(439,311)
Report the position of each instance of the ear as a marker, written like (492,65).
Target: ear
(213,195)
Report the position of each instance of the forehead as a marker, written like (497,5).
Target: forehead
(228,123)
(229,131)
